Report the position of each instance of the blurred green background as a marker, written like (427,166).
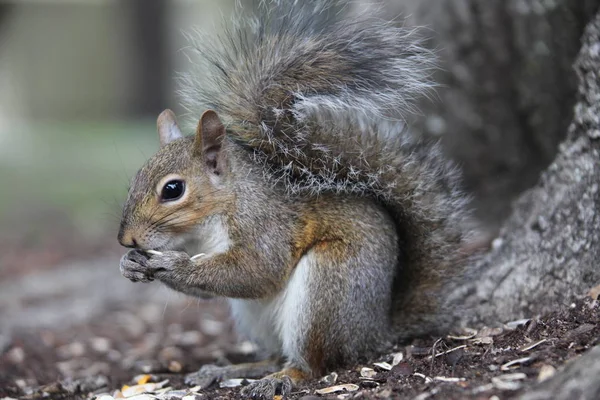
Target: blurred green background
(81,83)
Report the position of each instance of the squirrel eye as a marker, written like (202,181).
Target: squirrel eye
(172,190)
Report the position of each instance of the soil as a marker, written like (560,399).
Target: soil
(167,341)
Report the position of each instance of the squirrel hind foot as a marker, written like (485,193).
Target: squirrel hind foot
(281,382)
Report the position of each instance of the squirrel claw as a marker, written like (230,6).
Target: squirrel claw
(267,388)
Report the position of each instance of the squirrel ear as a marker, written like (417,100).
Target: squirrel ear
(209,137)
(167,127)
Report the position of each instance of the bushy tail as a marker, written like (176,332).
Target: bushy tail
(321,102)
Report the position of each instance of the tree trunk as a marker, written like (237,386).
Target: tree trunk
(508,88)
(578,381)
(549,249)
(510,97)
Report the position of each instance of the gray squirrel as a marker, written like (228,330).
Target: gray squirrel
(302,197)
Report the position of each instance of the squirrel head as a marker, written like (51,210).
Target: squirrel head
(179,187)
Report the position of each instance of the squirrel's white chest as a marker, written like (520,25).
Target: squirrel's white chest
(280,323)
(210,238)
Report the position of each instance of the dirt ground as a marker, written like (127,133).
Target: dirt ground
(104,354)
(164,335)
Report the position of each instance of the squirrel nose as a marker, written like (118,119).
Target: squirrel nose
(126,239)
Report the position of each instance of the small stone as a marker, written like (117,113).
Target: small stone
(151,313)
(385,394)
(100,344)
(212,327)
(174,329)
(247,347)
(16,355)
(75,349)
(189,338)
(175,366)
(149,366)
(114,355)
(546,372)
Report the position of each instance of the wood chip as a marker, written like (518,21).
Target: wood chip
(154,252)
(348,387)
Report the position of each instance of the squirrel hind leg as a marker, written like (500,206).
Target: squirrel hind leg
(337,304)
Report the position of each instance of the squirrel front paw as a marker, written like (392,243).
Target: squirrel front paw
(134,266)
(141,266)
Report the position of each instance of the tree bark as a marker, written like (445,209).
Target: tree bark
(578,381)
(507,88)
(549,249)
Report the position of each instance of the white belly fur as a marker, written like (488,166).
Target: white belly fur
(279,324)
